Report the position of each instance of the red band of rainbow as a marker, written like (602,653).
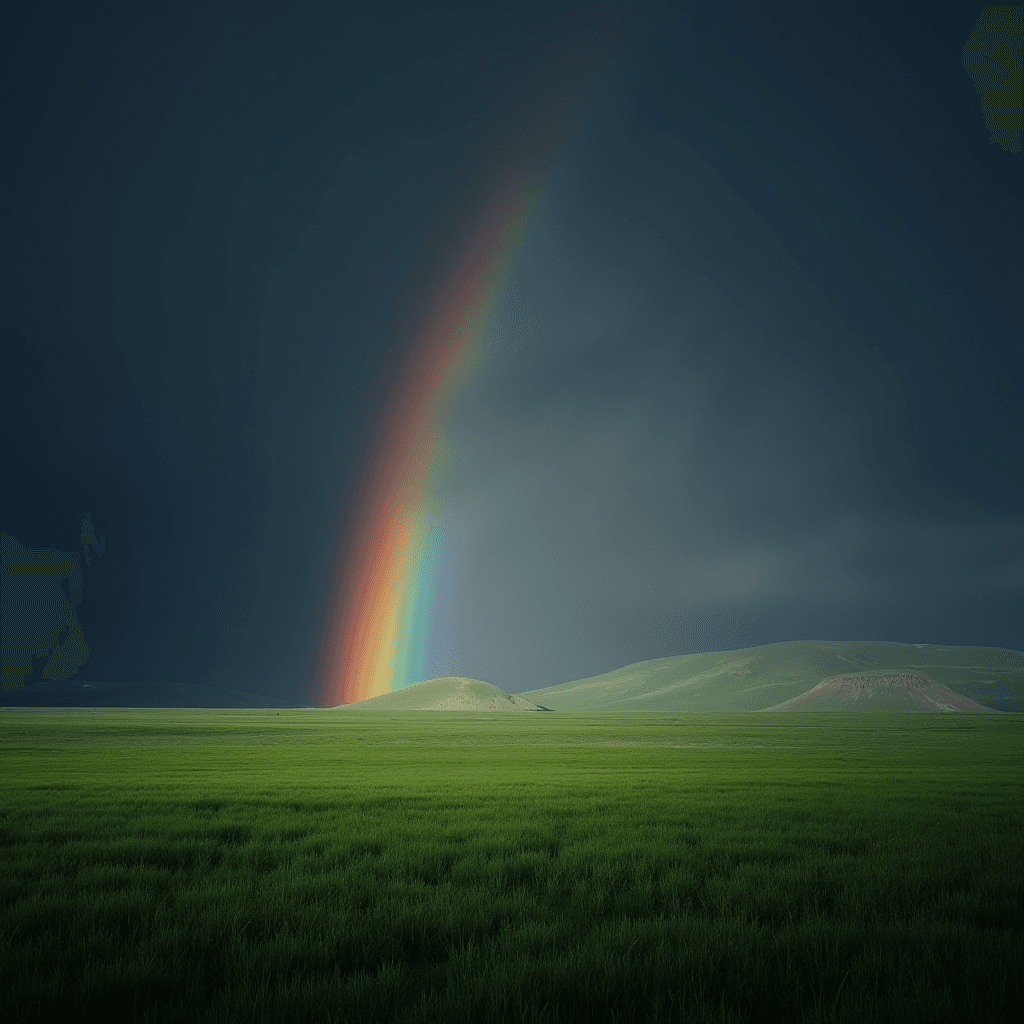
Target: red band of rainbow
(377,636)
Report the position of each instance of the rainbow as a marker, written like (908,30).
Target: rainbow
(376,635)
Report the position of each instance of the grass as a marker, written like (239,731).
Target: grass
(212,866)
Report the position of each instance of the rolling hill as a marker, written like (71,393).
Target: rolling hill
(880,691)
(449,693)
(759,678)
(794,675)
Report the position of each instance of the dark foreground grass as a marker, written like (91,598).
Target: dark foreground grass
(312,866)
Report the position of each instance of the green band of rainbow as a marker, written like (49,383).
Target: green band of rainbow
(377,636)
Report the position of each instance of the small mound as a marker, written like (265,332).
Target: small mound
(449,693)
(880,691)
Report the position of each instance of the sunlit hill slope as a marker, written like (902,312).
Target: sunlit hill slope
(759,678)
(449,693)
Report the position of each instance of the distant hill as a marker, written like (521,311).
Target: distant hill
(796,675)
(450,693)
(881,691)
(758,678)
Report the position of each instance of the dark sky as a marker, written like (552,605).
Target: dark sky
(756,374)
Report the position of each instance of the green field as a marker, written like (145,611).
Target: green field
(427,867)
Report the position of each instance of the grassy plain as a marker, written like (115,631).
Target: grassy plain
(314,866)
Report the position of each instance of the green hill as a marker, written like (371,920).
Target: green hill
(450,693)
(758,678)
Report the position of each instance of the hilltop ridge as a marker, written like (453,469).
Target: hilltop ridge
(759,678)
(447,693)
